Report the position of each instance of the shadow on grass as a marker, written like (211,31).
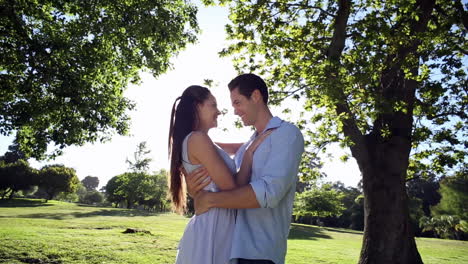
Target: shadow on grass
(347,231)
(23,203)
(299,231)
(102,212)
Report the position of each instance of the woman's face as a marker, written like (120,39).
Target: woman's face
(208,113)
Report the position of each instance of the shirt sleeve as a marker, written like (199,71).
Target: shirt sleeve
(280,170)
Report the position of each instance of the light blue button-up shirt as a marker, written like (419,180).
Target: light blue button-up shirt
(261,233)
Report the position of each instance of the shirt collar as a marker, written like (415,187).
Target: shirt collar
(273,123)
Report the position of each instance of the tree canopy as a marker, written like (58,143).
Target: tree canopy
(319,201)
(340,66)
(55,179)
(65,65)
(149,190)
(385,78)
(90,183)
(16,176)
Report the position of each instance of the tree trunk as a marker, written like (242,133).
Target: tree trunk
(383,158)
(11,194)
(388,238)
(50,196)
(5,193)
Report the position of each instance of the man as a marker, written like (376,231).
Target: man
(265,205)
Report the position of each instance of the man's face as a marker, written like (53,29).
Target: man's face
(244,107)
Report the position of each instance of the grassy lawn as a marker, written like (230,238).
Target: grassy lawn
(57,232)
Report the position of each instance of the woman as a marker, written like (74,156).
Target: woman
(207,238)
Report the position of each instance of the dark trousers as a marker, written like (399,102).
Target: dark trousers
(255,261)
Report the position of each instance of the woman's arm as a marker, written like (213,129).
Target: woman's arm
(245,171)
(202,151)
(230,148)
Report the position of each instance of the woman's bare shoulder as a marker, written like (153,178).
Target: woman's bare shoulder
(199,139)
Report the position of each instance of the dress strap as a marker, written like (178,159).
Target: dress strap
(185,149)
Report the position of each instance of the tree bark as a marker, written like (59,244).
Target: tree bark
(388,238)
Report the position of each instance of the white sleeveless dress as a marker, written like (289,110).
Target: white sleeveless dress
(207,238)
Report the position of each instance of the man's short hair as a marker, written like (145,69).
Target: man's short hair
(247,83)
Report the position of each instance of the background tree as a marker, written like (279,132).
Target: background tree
(140,161)
(137,188)
(127,188)
(357,214)
(425,189)
(55,179)
(454,196)
(92,197)
(156,198)
(333,205)
(13,154)
(416,212)
(65,65)
(90,183)
(422,194)
(445,226)
(69,197)
(80,192)
(318,202)
(384,78)
(449,218)
(112,191)
(16,176)
(352,216)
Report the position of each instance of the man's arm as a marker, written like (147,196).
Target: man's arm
(277,177)
(240,198)
(230,148)
(279,172)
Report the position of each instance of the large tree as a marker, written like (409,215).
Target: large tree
(16,176)
(385,78)
(65,65)
(90,183)
(55,179)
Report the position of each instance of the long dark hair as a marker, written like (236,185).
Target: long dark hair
(184,119)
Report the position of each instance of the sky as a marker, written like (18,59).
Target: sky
(154,99)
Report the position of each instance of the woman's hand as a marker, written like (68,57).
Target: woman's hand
(257,141)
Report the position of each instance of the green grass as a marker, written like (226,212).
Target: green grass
(58,232)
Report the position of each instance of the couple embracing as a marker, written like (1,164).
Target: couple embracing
(243,205)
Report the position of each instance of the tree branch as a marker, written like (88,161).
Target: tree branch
(460,114)
(288,93)
(333,54)
(312,7)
